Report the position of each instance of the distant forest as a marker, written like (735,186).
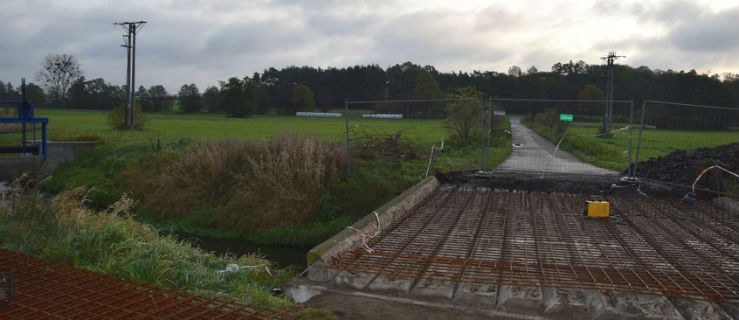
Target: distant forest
(293,88)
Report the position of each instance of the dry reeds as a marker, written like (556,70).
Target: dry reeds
(246,185)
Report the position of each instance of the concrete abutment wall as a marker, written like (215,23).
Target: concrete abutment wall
(58,153)
(320,256)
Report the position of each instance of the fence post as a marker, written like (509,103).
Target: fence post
(346,134)
(631,131)
(482,136)
(641,129)
(490,133)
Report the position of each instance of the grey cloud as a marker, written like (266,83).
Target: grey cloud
(677,12)
(695,38)
(497,18)
(430,37)
(62,36)
(256,38)
(709,32)
(334,6)
(669,13)
(698,32)
(340,25)
(203,41)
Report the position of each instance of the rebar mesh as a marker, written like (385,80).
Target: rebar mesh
(484,237)
(49,290)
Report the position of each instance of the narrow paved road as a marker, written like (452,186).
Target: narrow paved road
(532,153)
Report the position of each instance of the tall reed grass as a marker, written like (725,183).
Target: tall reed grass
(246,185)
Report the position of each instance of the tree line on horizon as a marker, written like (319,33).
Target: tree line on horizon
(292,88)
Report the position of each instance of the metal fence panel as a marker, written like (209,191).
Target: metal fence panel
(542,128)
(674,140)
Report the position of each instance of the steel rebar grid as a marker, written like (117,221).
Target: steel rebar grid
(50,290)
(541,239)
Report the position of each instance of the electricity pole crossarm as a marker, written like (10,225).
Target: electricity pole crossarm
(131,29)
(608,117)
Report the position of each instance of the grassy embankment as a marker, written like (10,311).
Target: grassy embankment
(582,140)
(137,163)
(112,242)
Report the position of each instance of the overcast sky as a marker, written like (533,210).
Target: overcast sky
(203,41)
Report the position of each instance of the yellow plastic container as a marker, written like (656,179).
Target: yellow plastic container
(598,209)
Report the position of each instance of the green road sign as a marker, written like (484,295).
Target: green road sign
(565,117)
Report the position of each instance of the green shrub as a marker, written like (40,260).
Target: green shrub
(100,169)
(116,119)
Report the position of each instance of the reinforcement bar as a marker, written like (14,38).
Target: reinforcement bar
(46,289)
(543,239)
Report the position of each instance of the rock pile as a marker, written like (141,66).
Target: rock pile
(683,167)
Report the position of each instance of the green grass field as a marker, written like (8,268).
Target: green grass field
(580,139)
(612,152)
(82,124)
(166,128)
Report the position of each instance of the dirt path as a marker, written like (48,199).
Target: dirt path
(532,153)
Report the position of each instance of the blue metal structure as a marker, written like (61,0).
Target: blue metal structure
(24,117)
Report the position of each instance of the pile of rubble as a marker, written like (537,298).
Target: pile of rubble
(683,167)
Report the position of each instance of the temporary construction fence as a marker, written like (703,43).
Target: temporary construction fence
(480,119)
(579,126)
(556,119)
(621,137)
(593,137)
(684,131)
(387,121)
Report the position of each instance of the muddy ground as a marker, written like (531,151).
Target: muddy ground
(682,167)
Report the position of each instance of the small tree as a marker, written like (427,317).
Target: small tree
(58,72)
(590,92)
(116,119)
(463,116)
(427,87)
(212,99)
(515,71)
(236,97)
(35,94)
(160,99)
(189,97)
(303,98)
(261,98)
(143,98)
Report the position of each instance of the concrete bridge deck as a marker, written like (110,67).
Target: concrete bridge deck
(530,254)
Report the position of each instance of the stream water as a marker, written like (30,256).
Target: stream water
(284,256)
